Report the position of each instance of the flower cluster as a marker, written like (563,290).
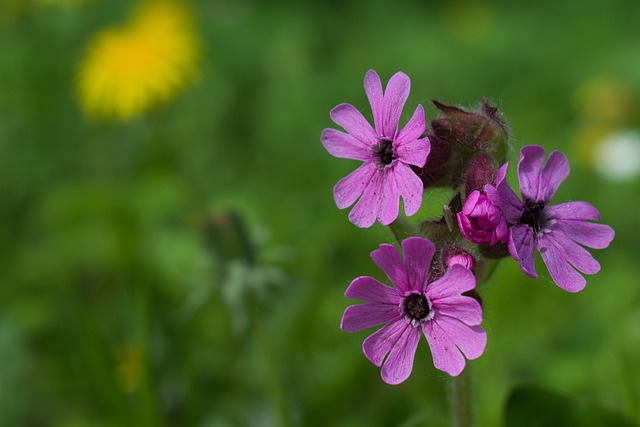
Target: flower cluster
(433,290)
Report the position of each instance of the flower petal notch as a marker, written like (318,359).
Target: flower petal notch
(556,231)
(449,320)
(386,151)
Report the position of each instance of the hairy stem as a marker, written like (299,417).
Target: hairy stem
(462,414)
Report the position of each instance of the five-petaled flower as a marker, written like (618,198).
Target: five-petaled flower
(385,150)
(450,321)
(556,231)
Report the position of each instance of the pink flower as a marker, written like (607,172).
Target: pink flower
(557,231)
(386,152)
(481,221)
(449,321)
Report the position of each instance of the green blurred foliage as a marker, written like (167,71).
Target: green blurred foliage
(115,311)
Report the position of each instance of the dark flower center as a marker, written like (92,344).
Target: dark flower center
(384,152)
(416,306)
(532,215)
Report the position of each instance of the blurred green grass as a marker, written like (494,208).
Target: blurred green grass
(112,310)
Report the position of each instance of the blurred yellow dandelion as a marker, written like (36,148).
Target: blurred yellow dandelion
(130,69)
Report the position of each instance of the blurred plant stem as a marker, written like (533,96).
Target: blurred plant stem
(265,350)
(401,229)
(462,416)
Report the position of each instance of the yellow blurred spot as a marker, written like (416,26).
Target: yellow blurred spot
(128,70)
(129,368)
(468,20)
(605,99)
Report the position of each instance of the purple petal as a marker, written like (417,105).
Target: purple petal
(413,129)
(418,253)
(344,146)
(555,171)
(446,355)
(409,186)
(596,236)
(521,248)
(349,188)
(378,344)
(350,119)
(368,289)
(389,204)
(395,96)
(363,316)
(414,152)
(399,363)
(455,281)
(373,89)
(365,211)
(531,157)
(573,253)
(389,260)
(573,210)
(463,308)
(504,198)
(471,340)
(561,271)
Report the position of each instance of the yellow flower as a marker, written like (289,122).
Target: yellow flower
(130,69)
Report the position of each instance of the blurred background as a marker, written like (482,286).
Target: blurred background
(171,253)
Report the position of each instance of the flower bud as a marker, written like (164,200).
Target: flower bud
(478,130)
(481,222)
(455,255)
(482,170)
(437,161)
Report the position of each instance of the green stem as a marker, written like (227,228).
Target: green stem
(401,229)
(274,382)
(462,414)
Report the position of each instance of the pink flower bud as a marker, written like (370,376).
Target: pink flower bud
(481,221)
(455,255)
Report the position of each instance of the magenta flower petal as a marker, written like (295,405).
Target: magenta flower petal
(368,289)
(471,340)
(464,308)
(503,197)
(343,145)
(415,152)
(561,271)
(447,318)
(555,231)
(363,316)
(380,343)
(446,355)
(455,281)
(410,188)
(574,210)
(390,200)
(521,248)
(570,252)
(390,262)
(480,221)
(414,128)
(418,252)
(399,363)
(373,89)
(531,157)
(596,236)
(349,188)
(350,119)
(386,152)
(395,97)
(365,212)
(555,171)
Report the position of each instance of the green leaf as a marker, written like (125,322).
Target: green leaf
(532,406)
